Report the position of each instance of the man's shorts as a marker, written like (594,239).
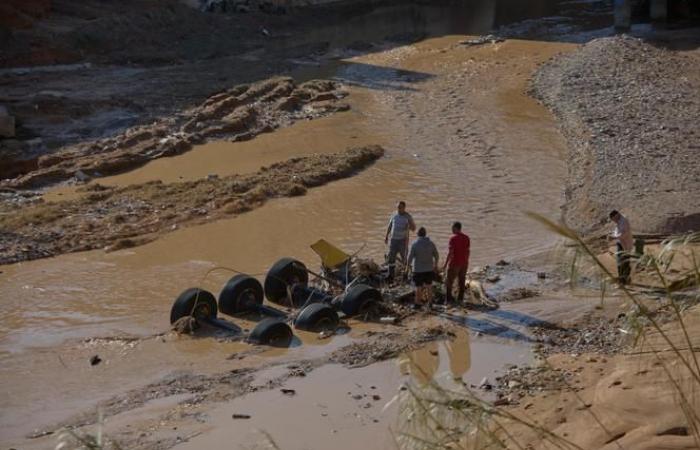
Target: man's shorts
(423,278)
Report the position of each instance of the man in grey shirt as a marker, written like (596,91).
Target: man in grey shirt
(400,225)
(424,257)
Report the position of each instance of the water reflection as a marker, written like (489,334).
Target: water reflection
(433,406)
(444,362)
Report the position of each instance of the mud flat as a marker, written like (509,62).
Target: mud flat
(126,217)
(628,108)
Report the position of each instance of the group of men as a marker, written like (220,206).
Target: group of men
(424,257)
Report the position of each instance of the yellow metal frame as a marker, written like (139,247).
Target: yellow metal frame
(331,256)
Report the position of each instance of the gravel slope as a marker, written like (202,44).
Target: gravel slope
(629,111)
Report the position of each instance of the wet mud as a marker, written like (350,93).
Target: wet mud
(130,216)
(450,161)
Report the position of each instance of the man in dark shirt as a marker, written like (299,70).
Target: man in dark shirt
(457,262)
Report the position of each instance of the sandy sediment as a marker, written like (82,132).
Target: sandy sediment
(236,114)
(129,216)
(633,399)
(629,111)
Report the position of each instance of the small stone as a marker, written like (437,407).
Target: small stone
(95,360)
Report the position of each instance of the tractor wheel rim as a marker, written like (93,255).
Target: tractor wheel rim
(202,310)
(367,307)
(279,338)
(246,298)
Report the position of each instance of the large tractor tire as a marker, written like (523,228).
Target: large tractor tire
(241,294)
(283,274)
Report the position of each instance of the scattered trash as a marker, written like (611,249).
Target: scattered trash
(388,319)
(289,392)
(240,416)
(541,275)
(95,360)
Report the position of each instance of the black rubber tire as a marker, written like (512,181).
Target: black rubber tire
(317,317)
(241,294)
(271,331)
(360,299)
(185,304)
(285,272)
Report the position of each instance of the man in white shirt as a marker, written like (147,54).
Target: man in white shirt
(623,237)
(399,227)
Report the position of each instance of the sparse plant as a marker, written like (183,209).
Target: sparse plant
(435,417)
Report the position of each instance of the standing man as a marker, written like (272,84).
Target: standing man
(623,237)
(399,226)
(457,262)
(424,257)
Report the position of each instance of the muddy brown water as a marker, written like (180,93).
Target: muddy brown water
(463,140)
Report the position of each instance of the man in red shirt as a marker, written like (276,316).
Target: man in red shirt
(457,262)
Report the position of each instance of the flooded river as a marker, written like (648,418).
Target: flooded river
(463,140)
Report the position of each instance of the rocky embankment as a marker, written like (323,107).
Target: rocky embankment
(629,110)
(123,217)
(236,114)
